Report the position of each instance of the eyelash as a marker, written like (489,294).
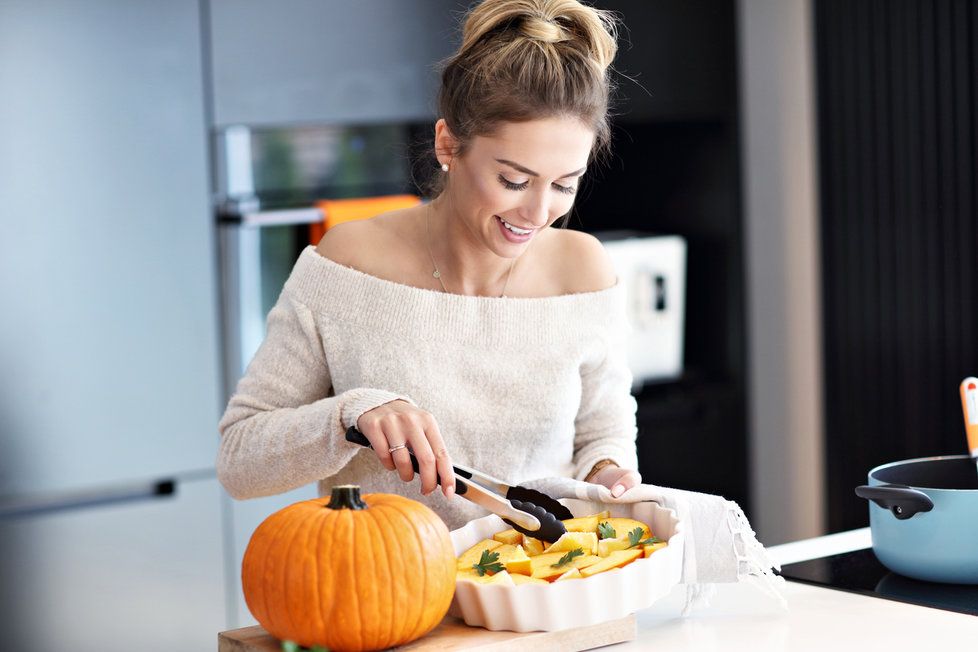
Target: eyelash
(509,185)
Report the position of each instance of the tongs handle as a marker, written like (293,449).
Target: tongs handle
(355,436)
(472,491)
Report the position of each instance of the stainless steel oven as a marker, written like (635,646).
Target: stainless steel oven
(269,181)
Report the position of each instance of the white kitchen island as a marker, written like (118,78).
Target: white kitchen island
(741,617)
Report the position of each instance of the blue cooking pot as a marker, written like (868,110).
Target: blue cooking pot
(923,515)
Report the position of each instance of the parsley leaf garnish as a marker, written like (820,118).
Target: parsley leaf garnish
(605,531)
(635,538)
(488,563)
(566,559)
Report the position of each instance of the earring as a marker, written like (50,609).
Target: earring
(444,167)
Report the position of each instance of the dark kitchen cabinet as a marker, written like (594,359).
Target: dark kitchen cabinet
(679,55)
(686,439)
(676,170)
(326,61)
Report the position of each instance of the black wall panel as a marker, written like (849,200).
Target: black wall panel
(897,92)
(676,169)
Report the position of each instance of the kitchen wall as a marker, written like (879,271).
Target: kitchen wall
(898,135)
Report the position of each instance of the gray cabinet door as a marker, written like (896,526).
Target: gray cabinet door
(108,297)
(144,575)
(328,61)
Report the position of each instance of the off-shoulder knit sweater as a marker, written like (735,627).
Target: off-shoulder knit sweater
(521,388)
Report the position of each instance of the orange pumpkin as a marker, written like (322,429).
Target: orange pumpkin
(350,573)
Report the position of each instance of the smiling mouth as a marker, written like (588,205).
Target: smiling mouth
(515,229)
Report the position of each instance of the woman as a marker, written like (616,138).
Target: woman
(464,329)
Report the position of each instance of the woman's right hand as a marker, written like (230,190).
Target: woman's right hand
(399,422)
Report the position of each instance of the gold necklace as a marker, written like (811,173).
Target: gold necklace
(436,273)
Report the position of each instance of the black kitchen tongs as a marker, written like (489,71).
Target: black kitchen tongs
(529,511)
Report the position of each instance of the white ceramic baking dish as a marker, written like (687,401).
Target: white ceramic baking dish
(572,603)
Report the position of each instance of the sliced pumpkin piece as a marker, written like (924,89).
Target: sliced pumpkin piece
(543,565)
(510,536)
(616,559)
(572,574)
(502,577)
(505,552)
(471,556)
(581,524)
(622,526)
(608,546)
(586,541)
(533,546)
(518,562)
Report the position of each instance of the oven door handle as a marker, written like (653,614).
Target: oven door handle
(282,217)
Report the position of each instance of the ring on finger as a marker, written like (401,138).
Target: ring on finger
(396,448)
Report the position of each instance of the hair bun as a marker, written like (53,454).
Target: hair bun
(586,29)
(543,30)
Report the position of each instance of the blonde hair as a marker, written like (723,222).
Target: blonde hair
(529,59)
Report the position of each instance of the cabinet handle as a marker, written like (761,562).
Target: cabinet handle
(47,503)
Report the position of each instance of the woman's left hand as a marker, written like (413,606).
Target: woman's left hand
(617,479)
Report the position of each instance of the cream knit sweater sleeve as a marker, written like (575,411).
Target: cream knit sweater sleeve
(278,428)
(605,426)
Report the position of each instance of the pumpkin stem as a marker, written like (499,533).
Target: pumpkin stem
(346,496)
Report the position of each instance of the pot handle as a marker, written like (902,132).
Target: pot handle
(900,499)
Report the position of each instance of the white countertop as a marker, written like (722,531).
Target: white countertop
(741,617)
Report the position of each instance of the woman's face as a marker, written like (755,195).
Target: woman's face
(509,186)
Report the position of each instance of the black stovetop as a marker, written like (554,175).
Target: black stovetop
(861,572)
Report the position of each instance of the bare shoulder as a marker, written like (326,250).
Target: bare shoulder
(373,246)
(582,263)
(344,242)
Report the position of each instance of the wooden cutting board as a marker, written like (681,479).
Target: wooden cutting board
(454,634)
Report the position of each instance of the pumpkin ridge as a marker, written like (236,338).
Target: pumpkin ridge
(374,535)
(274,615)
(297,578)
(317,583)
(285,573)
(353,550)
(399,598)
(437,531)
(304,564)
(380,510)
(432,533)
(329,580)
(419,621)
(348,603)
(255,565)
